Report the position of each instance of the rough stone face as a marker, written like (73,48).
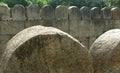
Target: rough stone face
(61,12)
(41,49)
(47,12)
(47,15)
(85,13)
(74,17)
(18,12)
(33,12)
(106,13)
(61,18)
(4,12)
(96,13)
(116,13)
(106,52)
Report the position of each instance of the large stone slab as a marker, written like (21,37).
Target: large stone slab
(4,12)
(41,49)
(106,52)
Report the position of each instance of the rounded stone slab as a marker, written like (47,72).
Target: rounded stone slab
(18,12)
(33,12)
(41,49)
(106,13)
(106,52)
(47,12)
(95,13)
(85,13)
(4,12)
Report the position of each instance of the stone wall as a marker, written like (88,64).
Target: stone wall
(83,23)
(52,50)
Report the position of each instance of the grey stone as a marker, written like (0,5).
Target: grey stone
(4,12)
(61,18)
(61,12)
(47,12)
(41,49)
(85,12)
(18,12)
(106,13)
(95,13)
(115,13)
(33,12)
(74,18)
(47,15)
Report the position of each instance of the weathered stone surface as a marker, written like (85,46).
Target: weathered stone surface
(4,12)
(61,12)
(107,16)
(115,13)
(96,13)
(85,12)
(11,27)
(74,13)
(33,12)
(98,27)
(106,52)
(47,12)
(47,15)
(41,49)
(61,18)
(106,13)
(74,18)
(18,12)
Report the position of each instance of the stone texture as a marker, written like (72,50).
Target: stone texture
(47,12)
(74,18)
(41,49)
(107,16)
(98,27)
(18,12)
(4,12)
(105,52)
(74,13)
(11,27)
(95,13)
(61,12)
(115,13)
(85,12)
(61,18)
(106,13)
(47,15)
(33,12)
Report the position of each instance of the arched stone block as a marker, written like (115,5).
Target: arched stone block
(61,12)
(74,13)
(4,12)
(106,52)
(85,12)
(41,49)
(106,13)
(33,12)
(115,13)
(47,15)
(18,12)
(95,13)
(61,18)
(107,18)
(47,12)
(74,18)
